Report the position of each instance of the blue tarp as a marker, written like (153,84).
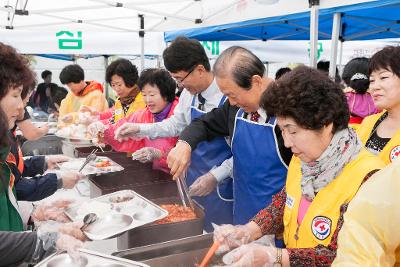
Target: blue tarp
(363,21)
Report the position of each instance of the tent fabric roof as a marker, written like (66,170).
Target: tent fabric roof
(362,21)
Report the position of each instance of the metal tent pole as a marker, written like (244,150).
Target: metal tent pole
(337,22)
(141,36)
(107,88)
(314,5)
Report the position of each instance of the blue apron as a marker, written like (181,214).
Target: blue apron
(218,204)
(258,168)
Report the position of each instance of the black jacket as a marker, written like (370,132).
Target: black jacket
(220,122)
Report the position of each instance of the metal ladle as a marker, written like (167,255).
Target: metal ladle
(88,219)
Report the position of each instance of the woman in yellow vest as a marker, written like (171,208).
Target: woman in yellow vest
(327,169)
(122,75)
(380,133)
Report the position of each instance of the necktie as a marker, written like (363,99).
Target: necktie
(254,116)
(202,101)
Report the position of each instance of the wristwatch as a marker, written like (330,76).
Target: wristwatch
(278,259)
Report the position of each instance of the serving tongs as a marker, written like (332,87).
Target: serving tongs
(89,158)
(184,191)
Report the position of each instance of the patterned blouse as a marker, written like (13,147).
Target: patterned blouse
(270,220)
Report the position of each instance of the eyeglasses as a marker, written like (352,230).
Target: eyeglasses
(190,71)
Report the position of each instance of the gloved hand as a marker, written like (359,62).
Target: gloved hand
(51,211)
(95,128)
(231,236)
(89,109)
(53,161)
(70,178)
(147,154)
(68,243)
(203,185)
(127,131)
(73,229)
(178,159)
(86,118)
(251,255)
(67,118)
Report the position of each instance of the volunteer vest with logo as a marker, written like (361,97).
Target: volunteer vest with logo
(392,149)
(10,219)
(320,220)
(137,104)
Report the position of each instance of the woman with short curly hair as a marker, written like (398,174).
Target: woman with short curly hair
(328,167)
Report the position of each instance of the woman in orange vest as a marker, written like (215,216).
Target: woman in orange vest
(158,90)
(122,75)
(380,133)
(82,93)
(327,169)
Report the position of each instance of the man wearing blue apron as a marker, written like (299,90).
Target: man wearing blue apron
(260,158)
(188,63)
(208,155)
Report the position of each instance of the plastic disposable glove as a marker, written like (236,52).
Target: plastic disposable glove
(67,118)
(178,159)
(88,109)
(95,128)
(73,229)
(52,211)
(127,131)
(147,154)
(251,255)
(86,118)
(203,185)
(53,161)
(68,243)
(231,236)
(70,178)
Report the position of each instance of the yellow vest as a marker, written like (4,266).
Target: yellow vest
(136,105)
(320,220)
(392,149)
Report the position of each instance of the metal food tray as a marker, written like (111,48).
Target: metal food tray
(90,168)
(119,217)
(88,259)
(156,233)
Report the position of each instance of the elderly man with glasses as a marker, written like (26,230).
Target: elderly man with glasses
(209,173)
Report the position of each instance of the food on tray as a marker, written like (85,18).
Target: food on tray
(101,209)
(78,131)
(176,213)
(102,163)
(121,198)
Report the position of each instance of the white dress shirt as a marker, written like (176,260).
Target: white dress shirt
(181,118)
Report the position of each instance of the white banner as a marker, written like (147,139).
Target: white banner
(81,42)
(298,51)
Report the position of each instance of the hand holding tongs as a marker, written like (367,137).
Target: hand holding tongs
(183,190)
(89,158)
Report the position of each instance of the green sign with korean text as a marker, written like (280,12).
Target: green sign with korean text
(69,40)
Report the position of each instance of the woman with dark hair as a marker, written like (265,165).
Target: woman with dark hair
(328,167)
(17,246)
(381,132)
(356,76)
(158,90)
(122,75)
